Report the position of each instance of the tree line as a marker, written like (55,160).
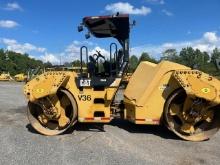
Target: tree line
(190,57)
(15,63)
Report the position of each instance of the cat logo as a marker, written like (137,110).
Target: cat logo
(85,82)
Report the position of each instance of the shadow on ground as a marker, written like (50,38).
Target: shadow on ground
(13,111)
(20,110)
(122,124)
(160,130)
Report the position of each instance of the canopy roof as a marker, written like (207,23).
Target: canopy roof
(109,26)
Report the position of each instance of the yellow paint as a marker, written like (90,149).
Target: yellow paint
(40,90)
(5,77)
(148,89)
(48,83)
(20,77)
(144,98)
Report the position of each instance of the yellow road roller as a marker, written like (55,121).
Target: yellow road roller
(187,101)
(21,77)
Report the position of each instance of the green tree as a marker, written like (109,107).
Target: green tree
(48,65)
(194,58)
(215,55)
(77,63)
(146,57)
(67,64)
(206,57)
(188,57)
(16,62)
(170,55)
(133,62)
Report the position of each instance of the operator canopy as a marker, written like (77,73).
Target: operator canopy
(116,26)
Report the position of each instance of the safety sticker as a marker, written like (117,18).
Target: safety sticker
(163,87)
(205,90)
(40,90)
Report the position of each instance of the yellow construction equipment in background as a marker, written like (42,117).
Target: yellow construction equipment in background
(76,69)
(187,101)
(20,77)
(5,77)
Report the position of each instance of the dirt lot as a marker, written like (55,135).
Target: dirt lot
(119,143)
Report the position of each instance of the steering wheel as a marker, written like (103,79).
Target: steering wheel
(98,55)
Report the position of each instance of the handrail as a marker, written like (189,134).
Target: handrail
(81,60)
(115,56)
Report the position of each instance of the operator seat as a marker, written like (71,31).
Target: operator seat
(107,68)
(91,66)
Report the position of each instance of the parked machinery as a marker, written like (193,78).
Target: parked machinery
(185,100)
(5,77)
(20,77)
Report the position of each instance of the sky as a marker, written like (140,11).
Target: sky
(47,29)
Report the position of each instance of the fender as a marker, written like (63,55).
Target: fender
(198,84)
(45,84)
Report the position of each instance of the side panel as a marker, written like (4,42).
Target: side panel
(199,84)
(151,112)
(148,90)
(46,84)
(93,105)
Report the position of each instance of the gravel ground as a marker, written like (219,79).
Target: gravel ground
(119,143)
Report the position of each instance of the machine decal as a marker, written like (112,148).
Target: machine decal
(205,90)
(148,120)
(40,90)
(85,82)
(93,118)
(163,87)
(84,97)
